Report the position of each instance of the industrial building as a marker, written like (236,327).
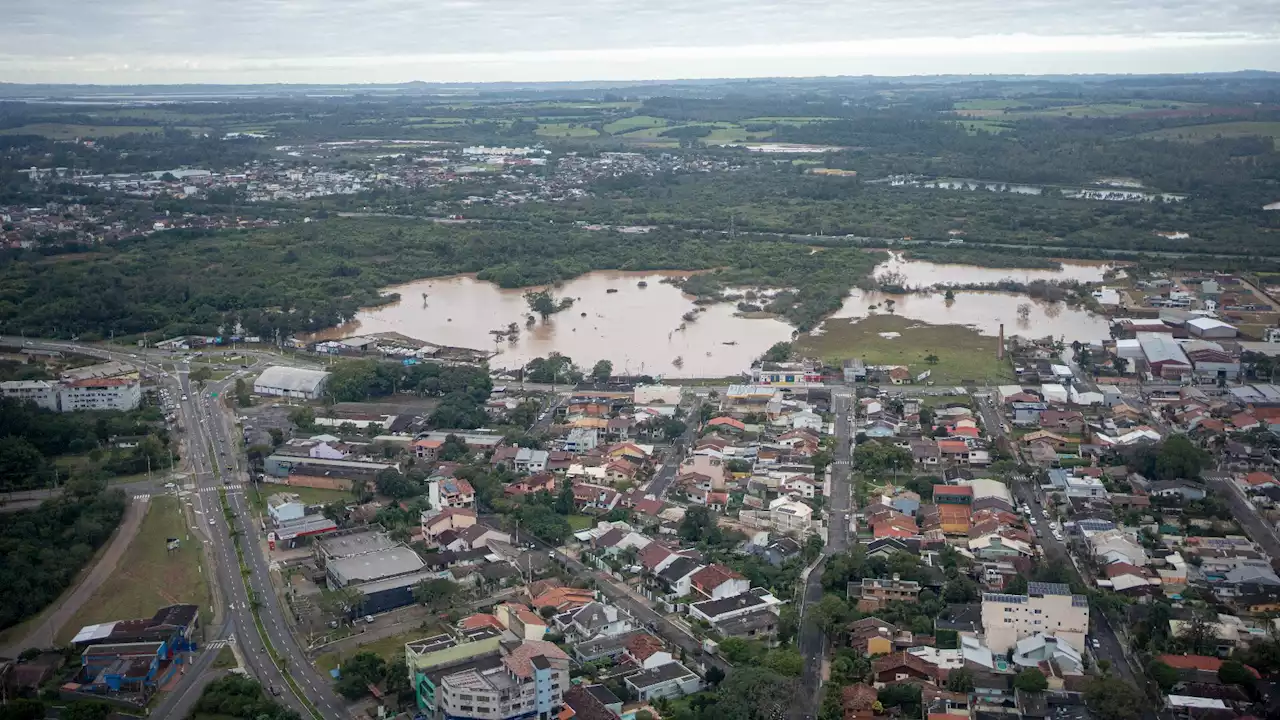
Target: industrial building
(1211,328)
(367,559)
(291,382)
(1164,356)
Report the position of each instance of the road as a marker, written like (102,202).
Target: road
(1244,512)
(812,641)
(666,475)
(621,596)
(216,460)
(1055,551)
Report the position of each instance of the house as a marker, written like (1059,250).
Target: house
(727,423)
(746,603)
(456,519)
(671,680)
(1069,422)
(592,702)
(594,498)
(1046,608)
(858,701)
(520,620)
(1181,489)
(427,450)
(925,451)
(647,651)
(993,546)
(540,482)
(904,667)
(581,440)
(676,579)
(874,593)
(899,376)
(716,582)
(1042,648)
(1198,668)
(451,493)
(563,598)
(780,551)
(480,536)
(594,620)
(655,557)
(872,636)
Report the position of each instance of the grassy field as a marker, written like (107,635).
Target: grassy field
(389,648)
(226,659)
(963,354)
(62,131)
(1014,108)
(992,126)
(569,130)
(149,576)
(634,122)
(721,133)
(581,522)
(1200,133)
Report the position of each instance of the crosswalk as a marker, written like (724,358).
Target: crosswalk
(218,644)
(142,497)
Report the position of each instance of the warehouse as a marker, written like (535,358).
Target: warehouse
(1165,358)
(377,565)
(291,382)
(1211,328)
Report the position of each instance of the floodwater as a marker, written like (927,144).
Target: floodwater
(638,328)
(923,274)
(984,311)
(635,328)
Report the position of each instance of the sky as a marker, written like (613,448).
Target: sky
(357,41)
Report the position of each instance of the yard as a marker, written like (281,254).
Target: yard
(962,354)
(581,522)
(389,648)
(149,575)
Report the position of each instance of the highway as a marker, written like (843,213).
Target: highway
(215,462)
(812,641)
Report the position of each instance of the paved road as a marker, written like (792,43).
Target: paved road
(1259,530)
(213,447)
(812,641)
(619,595)
(661,482)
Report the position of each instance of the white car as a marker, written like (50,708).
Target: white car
(212,521)
(1033,522)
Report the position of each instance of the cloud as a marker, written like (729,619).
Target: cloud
(237,40)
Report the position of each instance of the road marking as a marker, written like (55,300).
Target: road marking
(144,497)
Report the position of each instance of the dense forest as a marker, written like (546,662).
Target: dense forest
(307,277)
(31,437)
(41,550)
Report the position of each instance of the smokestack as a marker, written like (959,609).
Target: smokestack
(1000,347)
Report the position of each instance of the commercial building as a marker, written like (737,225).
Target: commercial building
(787,374)
(1164,356)
(1206,327)
(383,570)
(1047,608)
(283,465)
(291,382)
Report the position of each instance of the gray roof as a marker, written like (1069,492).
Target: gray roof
(348,544)
(376,565)
(291,379)
(659,675)
(712,608)
(1159,347)
(1048,588)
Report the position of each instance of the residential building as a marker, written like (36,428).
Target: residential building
(646,651)
(671,680)
(434,523)
(451,493)
(756,600)
(43,393)
(1031,651)
(716,582)
(113,393)
(428,450)
(1047,608)
(874,593)
(580,440)
(525,680)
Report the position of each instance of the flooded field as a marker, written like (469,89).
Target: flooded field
(638,328)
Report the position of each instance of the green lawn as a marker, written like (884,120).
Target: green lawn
(226,659)
(389,648)
(149,576)
(311,496)
(634,122)
(974,127)
(564,129)
(68,131)
(581,522)
(963,354)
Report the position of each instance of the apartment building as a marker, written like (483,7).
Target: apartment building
(1047,608)
(44,394)
(874,593)
(114,393)
(518,680)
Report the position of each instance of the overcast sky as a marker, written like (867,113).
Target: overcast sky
(254,41)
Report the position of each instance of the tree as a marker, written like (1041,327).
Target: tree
(778,352)
(1165,676)
(960,681)
(1031,680)
(698,525)
(602,371)
(85,710)
(1110,698)
(714,676)
(931,359)
(1233,672)
(1180,458)
(453,448)
(202,375)
(564,499)
(303,416)
(435,593)
(391,483)
(243,396)
(831,613)
(672,428)
(358,673)
(542,302)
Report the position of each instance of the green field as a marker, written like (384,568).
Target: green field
(149,576)
(1212,131)
(798,120)
(963,354)
(634,122)
(581,522)
(61,131)
(389,648)
(1014,108)
(566,130)
(721,133)
(974,127)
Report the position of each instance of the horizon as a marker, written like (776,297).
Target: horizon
(238,42)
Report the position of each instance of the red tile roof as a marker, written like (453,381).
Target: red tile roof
(642,646)
(1259,478)
(1197,662)
(727,422)
(713,576)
